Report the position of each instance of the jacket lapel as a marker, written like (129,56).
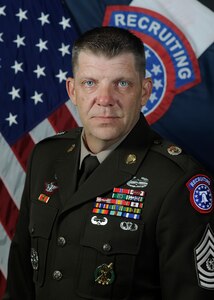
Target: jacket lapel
(66,170)
(119,167)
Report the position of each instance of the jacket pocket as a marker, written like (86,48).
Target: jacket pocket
(42,218)
(109,246)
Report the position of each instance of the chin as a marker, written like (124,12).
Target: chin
(107,134)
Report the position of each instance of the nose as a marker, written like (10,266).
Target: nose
(105,95)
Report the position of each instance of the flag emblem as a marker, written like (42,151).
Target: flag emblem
(171,61)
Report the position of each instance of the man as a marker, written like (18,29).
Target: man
(140,225)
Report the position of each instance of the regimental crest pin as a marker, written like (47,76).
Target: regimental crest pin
(204,258)
(50,187)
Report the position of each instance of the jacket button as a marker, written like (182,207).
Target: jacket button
(61,241)
(106,247)
(57,275)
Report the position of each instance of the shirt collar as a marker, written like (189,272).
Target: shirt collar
(101,156)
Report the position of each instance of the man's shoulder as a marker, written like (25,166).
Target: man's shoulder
(174,154)
(57,143)
(62,136)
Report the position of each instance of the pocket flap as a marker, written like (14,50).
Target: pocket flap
(112,235)
(42,219)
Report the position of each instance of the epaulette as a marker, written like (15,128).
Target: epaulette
(172,152)
(71,134)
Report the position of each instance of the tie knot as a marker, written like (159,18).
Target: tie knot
(88,165)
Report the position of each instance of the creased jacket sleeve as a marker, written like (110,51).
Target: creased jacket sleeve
(19,282)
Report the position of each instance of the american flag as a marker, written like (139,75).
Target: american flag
(35,59)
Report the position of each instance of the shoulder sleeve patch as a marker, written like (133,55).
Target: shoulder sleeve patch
(201,197)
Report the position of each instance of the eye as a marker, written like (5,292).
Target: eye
(123,83)
(88,83)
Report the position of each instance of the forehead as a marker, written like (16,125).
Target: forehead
(88,62)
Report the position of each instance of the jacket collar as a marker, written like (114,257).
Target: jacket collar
(123,162)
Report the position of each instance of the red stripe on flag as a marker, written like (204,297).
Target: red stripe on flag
(8,211)
(62,119)
(2,285)
(22,149)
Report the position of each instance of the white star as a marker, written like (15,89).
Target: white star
(37,97)
(147,54)
(11,119)
(64,49)
(2,12)
(65,23)
(153,97)
(39,71)
(148,73)
(44,19)
(156,69)
(157,84)
(1,39)
(19,41)
(144,109)
(22,15)
(17,67)
(42,45)
(14,93)
(61,75)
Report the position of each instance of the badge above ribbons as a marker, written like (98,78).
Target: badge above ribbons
(171,61)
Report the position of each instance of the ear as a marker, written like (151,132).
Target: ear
(70,87)
(146,90)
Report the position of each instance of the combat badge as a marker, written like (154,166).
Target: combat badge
(200,193)
(204,257)
(104,274)
(138,182)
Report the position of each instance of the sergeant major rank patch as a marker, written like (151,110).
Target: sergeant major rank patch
(204,258)
(201,196)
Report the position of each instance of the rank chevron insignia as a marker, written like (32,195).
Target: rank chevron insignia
(204,257)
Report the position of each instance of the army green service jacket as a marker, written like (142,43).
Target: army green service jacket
(140,228)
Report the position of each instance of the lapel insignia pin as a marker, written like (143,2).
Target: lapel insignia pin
(71,148)
(104,274)
(131,159)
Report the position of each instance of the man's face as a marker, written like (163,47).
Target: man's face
(109,94)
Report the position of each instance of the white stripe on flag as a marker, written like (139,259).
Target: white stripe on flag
(4,250)
(10,169)
(195,20)
(42,131)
